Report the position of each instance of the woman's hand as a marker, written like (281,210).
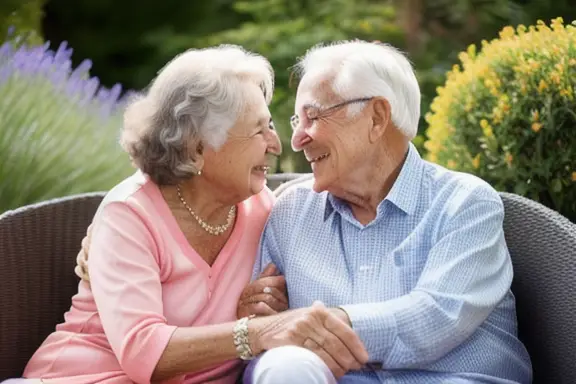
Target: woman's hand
(265,296)
(316,328)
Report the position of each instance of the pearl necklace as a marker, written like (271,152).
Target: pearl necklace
(211,229)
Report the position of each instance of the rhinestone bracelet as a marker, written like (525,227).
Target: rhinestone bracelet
(241,340)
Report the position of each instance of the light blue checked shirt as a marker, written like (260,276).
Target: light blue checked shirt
(426,284)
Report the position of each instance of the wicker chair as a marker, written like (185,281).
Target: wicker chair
(38,248)
(543,248)
(39,244)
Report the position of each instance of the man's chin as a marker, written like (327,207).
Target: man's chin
(320,184)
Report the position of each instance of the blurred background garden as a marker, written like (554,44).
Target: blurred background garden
(498,84)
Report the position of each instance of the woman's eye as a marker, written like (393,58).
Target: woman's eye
(271,125)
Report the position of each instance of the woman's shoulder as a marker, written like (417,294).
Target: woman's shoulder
(126,189)
(133,193)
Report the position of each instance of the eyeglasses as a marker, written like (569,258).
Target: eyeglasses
(315,113)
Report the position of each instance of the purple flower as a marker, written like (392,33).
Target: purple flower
(37,64)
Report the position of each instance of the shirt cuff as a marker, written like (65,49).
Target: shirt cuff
(375,328)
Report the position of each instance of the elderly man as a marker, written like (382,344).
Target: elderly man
(410,255)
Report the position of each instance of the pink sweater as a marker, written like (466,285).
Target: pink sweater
(146,280)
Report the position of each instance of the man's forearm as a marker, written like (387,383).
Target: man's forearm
(413,330)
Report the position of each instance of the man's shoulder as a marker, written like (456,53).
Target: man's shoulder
(453,187)
(298,200)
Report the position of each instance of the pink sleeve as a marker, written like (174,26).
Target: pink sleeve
(125,281)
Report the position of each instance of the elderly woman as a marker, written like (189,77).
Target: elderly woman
(173,246)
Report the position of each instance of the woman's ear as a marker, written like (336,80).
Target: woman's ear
(381,117)
(197,155)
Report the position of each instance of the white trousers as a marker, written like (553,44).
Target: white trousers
(289,365)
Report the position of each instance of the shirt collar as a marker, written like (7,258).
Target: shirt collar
(405,191)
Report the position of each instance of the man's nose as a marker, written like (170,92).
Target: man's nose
(299,139)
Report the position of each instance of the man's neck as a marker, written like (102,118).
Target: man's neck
(369,186)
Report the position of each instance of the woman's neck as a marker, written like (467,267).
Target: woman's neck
(209,205)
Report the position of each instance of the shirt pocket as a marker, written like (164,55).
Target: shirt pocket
(409,259)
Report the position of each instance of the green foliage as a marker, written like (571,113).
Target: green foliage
(507,114)
(58,129)
(21,16)
(282,30)
(127,41)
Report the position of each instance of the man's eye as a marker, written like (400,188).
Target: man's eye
(312,116)
(271,125)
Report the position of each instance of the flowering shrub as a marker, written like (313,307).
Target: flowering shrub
(508,114)
(58,127)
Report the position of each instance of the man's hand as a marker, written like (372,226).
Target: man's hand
(265,296)
(342,315)
(81,268)
(316,328)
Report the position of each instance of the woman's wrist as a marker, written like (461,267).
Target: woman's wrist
(241,336)
(255,332)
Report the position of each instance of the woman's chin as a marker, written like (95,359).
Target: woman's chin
(258,181)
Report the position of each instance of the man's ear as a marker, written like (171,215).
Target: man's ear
(381,117)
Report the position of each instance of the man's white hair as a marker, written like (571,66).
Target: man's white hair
(359,69)
(196,98)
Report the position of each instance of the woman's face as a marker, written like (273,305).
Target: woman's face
(239,167)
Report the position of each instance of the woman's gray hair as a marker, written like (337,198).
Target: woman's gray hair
(193,102)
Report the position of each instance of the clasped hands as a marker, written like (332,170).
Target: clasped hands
(325,331)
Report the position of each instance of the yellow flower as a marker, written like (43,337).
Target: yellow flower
(509,158)
(535,115)
(451,164)
(521,29)
(536,127)
(486,128)
(476,162)
(542,86)
(568,93)
(573,176)
(507,33)
(471,51)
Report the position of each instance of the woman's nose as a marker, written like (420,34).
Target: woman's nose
(274,144)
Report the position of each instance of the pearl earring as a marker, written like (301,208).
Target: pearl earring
(199,172)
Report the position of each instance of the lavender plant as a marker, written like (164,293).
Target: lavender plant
(59,127)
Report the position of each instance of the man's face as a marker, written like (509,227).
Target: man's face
(333,141)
